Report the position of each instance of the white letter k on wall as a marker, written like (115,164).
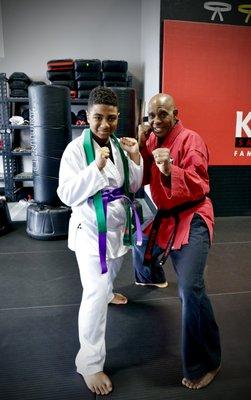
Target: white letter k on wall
(242,124)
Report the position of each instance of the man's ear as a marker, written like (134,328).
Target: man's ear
(175,112)
(87,116)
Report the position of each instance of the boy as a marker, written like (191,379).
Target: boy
(95,174)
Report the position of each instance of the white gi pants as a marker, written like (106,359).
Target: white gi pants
(97,293)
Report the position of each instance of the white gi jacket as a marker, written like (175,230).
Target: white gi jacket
(79,181)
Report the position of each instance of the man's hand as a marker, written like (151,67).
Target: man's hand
(130,145)
(101,157)
(162,159)
(143,134)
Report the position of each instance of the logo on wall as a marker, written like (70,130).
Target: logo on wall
(219,7)
(242,134)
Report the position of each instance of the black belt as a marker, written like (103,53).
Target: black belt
(160,215)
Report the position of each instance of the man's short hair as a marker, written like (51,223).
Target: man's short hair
(102,95)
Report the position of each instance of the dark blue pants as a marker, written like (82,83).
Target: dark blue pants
(201,350)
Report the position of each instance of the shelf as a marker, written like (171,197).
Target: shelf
(12,127)
(19,127)
(79,101)
(21,153)
(12,157)
(26,100)
(27,127)
(15,100)
(24,176)
(79,126)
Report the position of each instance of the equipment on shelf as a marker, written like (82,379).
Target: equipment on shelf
(18,84)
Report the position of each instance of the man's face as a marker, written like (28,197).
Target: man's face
(103,120)
(161,118)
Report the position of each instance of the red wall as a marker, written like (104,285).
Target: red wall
(207,67)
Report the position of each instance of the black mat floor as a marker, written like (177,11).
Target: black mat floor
(40,293)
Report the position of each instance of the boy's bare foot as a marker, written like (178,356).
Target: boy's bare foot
(98,383)
(201,382)
(118,299)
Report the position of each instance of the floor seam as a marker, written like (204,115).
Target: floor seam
(133,300)
(68,251)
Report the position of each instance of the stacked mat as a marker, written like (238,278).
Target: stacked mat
(61,73)
(80,118)
(18,84)
(115,73)
(87,75)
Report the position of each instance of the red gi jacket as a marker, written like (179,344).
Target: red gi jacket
(188,182)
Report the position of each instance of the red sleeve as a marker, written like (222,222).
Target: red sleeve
(189,178)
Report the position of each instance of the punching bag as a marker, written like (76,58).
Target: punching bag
(50,127)
(5,219)
(50,130)
(127,108)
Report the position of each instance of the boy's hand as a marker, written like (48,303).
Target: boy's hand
(101,157)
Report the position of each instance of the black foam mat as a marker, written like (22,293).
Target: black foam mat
(18,241)
(40,292)
(232,229)
(144,346)
(39,279)
(38,348)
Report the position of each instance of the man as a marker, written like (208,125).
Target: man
(175,166)
(96,173)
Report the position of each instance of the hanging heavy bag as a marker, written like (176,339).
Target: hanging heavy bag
(50,127)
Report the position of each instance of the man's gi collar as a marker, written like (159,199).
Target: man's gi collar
(171,135)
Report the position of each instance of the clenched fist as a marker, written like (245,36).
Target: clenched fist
(130,145)
(143,134)
(101,157)
(163,160)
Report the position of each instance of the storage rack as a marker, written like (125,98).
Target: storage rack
(13,176)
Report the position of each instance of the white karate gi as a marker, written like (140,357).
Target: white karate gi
(77,183)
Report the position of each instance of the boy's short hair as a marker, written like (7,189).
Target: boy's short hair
(102,95)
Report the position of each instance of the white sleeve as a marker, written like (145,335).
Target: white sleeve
(77,181)
(135,175)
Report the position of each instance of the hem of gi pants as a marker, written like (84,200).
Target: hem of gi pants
(109,300)
(199,373)
(89,371)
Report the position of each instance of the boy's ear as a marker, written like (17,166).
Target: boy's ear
(87,116)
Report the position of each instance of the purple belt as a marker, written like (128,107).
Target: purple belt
(109,195)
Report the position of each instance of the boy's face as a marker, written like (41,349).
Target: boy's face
(103,120)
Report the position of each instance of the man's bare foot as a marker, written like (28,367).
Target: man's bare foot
(98,383)
(118,299)
(201,382)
